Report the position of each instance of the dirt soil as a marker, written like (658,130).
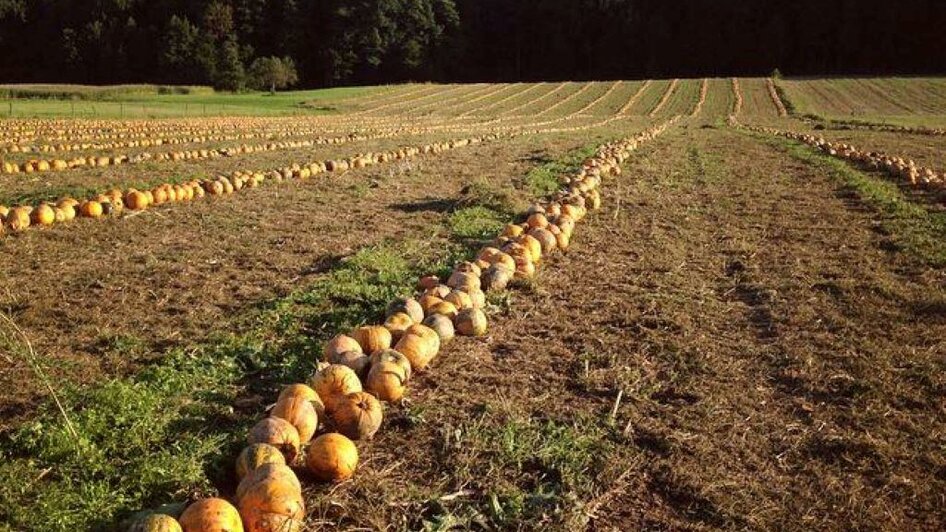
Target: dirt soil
(779,365)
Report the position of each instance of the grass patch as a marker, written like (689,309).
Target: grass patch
(544,180)
(477,222)
(914,228)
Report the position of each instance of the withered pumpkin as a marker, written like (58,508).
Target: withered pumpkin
(442,325)
(279,433)
(387,381)
(372,338)
(256,455)
(358,416)
(334,382)
(340,344)
(471,322)
(300,413)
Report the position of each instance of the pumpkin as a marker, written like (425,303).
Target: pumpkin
(471,322)
(397,323)
(442,325)
(211,515)
(270,500)
(155,523)
(478,298)
(408,306)
(488,254)
(18,218)
(533,246)
(443,307)
(545,238)
(440,291)
(537,220)
(333,382)
(512,231)
(496,277)
(256,455)
(419,350)
(394,357)
(305,392)
(279,433)
(464,281)
(160,195)
(356,360)
(266,473)
(300,413)
(427,301)
(372,338)
(332,457)
(358,416)
(43,215)
(459,299)
(136,201)
(428,282)
(468,267)
(91,209)
(340,344)
(387,381)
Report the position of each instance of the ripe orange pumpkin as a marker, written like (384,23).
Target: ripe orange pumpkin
(333,382)
(211,515)
(43,215)
(387,381)
(419,350)
(332,457)
(372,338)
(358,416)
(270,500)
(256,455)
(136,201)
(279,433)
(537,220)
(443,307)
(464,281)
(300,413)
(305,392)
(90,209)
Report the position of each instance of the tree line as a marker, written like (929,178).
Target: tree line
(232,44)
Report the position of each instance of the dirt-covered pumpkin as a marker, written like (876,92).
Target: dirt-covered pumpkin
(497,277)
(372,338)
(211,515)
(333,382)
(18,218)
(358,416)
(443,307)
(442,325)
(409,306)
(419,350)
(459,299)
(300,413)
(464,281)
(397,323)
(340,344)
(356,360)
(256,455)
(332,457)
(279,433)
(471,322)
(387,381)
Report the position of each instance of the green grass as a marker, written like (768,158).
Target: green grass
(117,103)
(914,228)
(544,180)
(477,223)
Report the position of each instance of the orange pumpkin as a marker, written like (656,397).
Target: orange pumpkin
(266,473)
(305,392)
(43,215)
(393,357)
(332,458)
(537,220)
(300,413)
(443,307)
(90,209)
(459,299)
(358,416)
(156,523)
(18,218)
(428,282)
(419,350)
(270,500)
(279,433)
(372,338)
(464,281)
(256,455)
(387,381)
(136,201)
(211,515)
(397,323)
(333,382)
(545,238)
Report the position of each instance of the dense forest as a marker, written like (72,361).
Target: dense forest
(335,42)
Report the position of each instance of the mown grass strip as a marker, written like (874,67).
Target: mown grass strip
(919,230)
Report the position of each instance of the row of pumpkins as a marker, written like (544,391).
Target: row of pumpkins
(47,165)
(736,103)
(897,167)
(776,99)
(373,365)
(665,98)
(888,128)
(701,99)
(116,201)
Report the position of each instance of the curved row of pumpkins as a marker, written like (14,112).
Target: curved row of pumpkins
(776,99)
(314,425)
(116,201)
(48,165)
(897,167)
(888,128)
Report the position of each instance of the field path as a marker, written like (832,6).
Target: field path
(754,324)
